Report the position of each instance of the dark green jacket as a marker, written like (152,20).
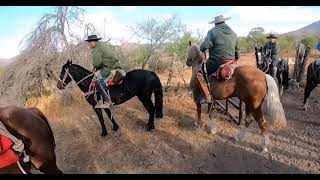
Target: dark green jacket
(104,59)
(273,48)
(222,42)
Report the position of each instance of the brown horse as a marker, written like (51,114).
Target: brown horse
(249,84)
(33,129)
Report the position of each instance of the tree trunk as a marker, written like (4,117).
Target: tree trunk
(182,73)
(170,75)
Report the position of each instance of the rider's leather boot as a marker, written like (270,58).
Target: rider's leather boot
(204,87)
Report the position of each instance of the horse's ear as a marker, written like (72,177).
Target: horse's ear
(256,49)
(189,43)
(69,61)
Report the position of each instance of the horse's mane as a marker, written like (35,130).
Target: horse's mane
(81,68)
(194,49)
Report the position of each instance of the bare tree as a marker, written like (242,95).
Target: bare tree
(170,73)
(53,31)
(179,49)
(155,33)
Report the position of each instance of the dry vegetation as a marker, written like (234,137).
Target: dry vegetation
(176,146)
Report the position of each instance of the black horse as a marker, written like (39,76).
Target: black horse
(264,64)
(313,79)
(140,83)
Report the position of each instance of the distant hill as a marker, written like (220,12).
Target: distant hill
(312,29)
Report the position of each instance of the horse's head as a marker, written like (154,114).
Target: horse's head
(64,76)
(194,55)
(258,53)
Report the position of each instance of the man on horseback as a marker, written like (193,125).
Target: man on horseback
(106,68)
(272,50)
(222,43)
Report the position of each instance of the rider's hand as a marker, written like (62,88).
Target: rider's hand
(97,73)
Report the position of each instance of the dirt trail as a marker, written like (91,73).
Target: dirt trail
(177,147)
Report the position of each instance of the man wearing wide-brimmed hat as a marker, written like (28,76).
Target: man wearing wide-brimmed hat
(222,43)
(272,49)
(106,66)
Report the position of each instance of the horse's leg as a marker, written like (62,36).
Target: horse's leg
(244,128)
(115,125)
(212,123)
(101,120)
(280,83)
(307,91)
(199,122)
(263,126)
(147,103)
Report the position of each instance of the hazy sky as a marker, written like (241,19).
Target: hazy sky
(16,22)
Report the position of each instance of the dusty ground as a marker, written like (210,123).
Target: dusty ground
(178,147)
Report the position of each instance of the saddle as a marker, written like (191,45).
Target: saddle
(117,79)
(225,71)
(7,155)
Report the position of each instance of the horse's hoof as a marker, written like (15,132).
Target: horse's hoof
(213,132)
(103,134)
(115,128)
(264,150)
(150,128)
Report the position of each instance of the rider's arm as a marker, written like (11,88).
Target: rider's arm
(97,60)
(207,43)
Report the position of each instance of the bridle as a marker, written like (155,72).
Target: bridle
(66,74)
(264,65)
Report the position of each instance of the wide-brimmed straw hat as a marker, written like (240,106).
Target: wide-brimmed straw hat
(219,19)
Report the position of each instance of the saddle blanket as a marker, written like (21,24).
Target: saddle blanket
(225,71)
(7,155)
(109,83)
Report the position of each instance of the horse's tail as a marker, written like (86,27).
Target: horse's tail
(44,118)
(158,95)
(274,107)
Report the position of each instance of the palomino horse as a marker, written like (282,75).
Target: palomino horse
(313,79)
(33,129)
(141,83)
(263,62)
(249,84)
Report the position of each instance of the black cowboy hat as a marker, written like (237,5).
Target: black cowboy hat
(271,36)
(93,38)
